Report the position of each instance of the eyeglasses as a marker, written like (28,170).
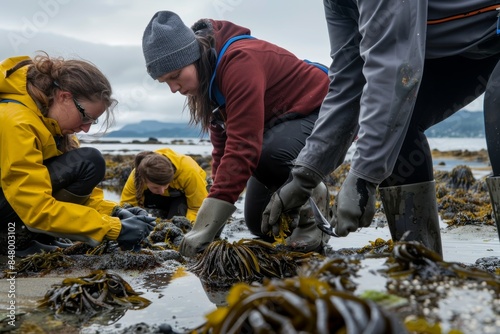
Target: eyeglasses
(86,119)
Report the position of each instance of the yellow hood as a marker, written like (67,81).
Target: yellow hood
(14,86)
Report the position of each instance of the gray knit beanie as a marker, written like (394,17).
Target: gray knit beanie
(168,44)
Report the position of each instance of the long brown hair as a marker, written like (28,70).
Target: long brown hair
(200,106)
(153,167)
(82,78)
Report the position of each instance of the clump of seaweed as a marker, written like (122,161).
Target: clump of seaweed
(284,225)
(93,294)
(299,304)
(461,178)
(336,272)
(411,259)
(43,262)
(246,260)
(425,280)
(379,246)
(462,200)
(166,235)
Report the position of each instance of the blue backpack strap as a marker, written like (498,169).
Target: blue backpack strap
(318,65)
(9,100)
(218,97)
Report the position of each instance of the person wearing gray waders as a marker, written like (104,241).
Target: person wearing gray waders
(398,67)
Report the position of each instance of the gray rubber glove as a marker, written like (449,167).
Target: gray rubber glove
(210,220)
(289,199)
(355,205)
(122,213)
(138,211)
(134,230)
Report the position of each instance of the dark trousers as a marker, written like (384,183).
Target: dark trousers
(78,171)
(281,146)
(448,85)
(167,206)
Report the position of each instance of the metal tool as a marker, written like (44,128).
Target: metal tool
(323,224)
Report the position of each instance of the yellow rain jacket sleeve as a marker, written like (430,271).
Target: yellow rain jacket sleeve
(26,140)
(189,178)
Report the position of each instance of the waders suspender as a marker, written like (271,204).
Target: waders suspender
(467,14)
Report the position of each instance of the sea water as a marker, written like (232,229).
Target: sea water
(204,147)
(198,146)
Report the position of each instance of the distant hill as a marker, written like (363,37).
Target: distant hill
(462,124)
(149,128)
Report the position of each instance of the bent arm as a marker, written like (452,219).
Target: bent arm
(378,51)
(27,187)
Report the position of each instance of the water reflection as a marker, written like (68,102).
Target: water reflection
(177,299)
(112,193)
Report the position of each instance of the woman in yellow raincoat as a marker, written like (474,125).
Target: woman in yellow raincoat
(172,183)
(48,184)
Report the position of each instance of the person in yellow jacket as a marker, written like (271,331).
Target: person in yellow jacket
(48,183)
(168,181)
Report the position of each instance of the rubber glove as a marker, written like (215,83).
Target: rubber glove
(209,223)
(289,199)
(134,230)
(138,211)
(355,205)
(122,213)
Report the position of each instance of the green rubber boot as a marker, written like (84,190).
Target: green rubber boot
(493,184)
(413,208)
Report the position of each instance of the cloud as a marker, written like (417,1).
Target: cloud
(109,33)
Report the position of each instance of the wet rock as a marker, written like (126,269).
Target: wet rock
(490,264)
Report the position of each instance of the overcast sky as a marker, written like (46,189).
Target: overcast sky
(109,33)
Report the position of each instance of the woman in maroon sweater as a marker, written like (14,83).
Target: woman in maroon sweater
(258,101)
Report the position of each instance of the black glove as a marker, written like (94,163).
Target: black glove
(122,213)
(138,211)
(134,230)
(289,199)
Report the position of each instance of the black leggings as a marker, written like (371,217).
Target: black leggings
(78,171)
(448,85)
(168,206)
(281,146)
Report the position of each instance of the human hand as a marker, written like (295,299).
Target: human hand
(134,230)
(122,213)
(289,199)
(138,211)
(355,205)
